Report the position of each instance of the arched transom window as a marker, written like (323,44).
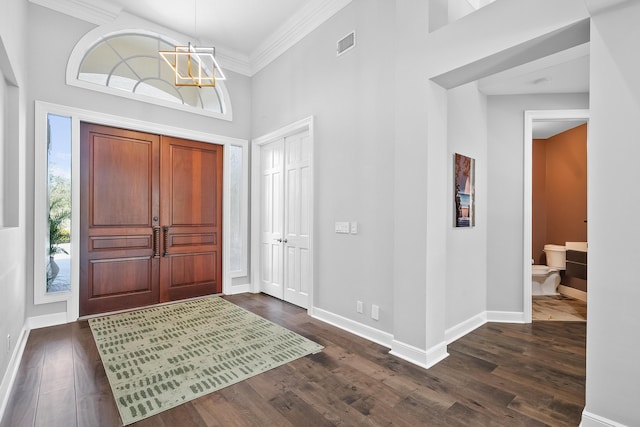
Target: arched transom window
(128,64)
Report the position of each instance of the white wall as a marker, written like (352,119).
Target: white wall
(68,30)
(467,247)
(505,180)
(613,348)
(351,98)
(12,248)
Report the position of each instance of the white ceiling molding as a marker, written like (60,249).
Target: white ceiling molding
(96,12)
(293,30)
(233,61)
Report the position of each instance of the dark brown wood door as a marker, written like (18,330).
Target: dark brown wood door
(191,212)
(150,219)
(119,198)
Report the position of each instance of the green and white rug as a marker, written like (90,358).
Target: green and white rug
(161,357)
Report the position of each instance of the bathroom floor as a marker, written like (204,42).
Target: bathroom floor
(558,307)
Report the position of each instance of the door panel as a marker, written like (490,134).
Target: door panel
(119,198)
(191,197)
(271,249)
(297,218)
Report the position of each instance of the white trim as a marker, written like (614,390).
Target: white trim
(256,144)
(463,328)
(78,115)
(90,12)
(529,117)
(126,24)
(238,289)
(367,332)
(593,420)
(12,370)
(506,317)
(423,358)
(45,321)
(293,30)
(244,208)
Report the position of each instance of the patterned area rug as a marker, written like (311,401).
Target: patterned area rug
(161,357)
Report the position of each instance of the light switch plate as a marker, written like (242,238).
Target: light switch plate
(342,227)
(354,227)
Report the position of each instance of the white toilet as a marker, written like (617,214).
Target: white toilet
(546,278)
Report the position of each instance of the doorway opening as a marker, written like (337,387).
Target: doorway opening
(559,294)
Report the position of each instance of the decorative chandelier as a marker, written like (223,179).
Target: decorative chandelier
(191,65)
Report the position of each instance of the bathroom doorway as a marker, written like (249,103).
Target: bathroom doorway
(555,220)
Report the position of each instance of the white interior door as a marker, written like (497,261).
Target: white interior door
(285,258)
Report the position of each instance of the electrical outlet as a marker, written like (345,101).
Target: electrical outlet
(359,307)
(375,312)
(8,343)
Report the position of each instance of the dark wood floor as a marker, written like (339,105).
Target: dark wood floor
(498,375)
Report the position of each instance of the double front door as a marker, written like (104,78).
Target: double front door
(150,219)
(285,211)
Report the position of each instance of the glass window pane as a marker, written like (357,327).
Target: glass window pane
(59,203)
(236,184)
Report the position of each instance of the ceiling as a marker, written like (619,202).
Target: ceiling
(237,25)
(547,129)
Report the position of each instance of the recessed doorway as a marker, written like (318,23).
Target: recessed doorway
(552,305)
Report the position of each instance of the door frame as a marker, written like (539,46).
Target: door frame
(531,116)
(81,115)
(306,124)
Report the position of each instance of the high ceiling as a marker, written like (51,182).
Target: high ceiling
(238,25)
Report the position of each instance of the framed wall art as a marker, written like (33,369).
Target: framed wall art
(464,191)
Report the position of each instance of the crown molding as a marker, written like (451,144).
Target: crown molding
(234,61)
(96,12)
(293,30)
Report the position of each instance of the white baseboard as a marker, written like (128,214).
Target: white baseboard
(463,328)
(593,420)
(505,317)
(367,332)
(423,358)
(12,370)
(47,320)
(238,289)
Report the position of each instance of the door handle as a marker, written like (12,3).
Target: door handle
(156,241)
(284,240)
(165,234)
(278,240)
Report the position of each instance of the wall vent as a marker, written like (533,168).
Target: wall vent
(346,43)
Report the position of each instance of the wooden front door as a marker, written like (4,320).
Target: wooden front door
(150,219)
(191,212)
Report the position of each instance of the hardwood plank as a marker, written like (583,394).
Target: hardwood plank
(499,374)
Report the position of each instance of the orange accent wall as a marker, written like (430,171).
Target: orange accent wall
(560,210)
(539,200)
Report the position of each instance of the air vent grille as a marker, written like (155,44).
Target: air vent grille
(346,43)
